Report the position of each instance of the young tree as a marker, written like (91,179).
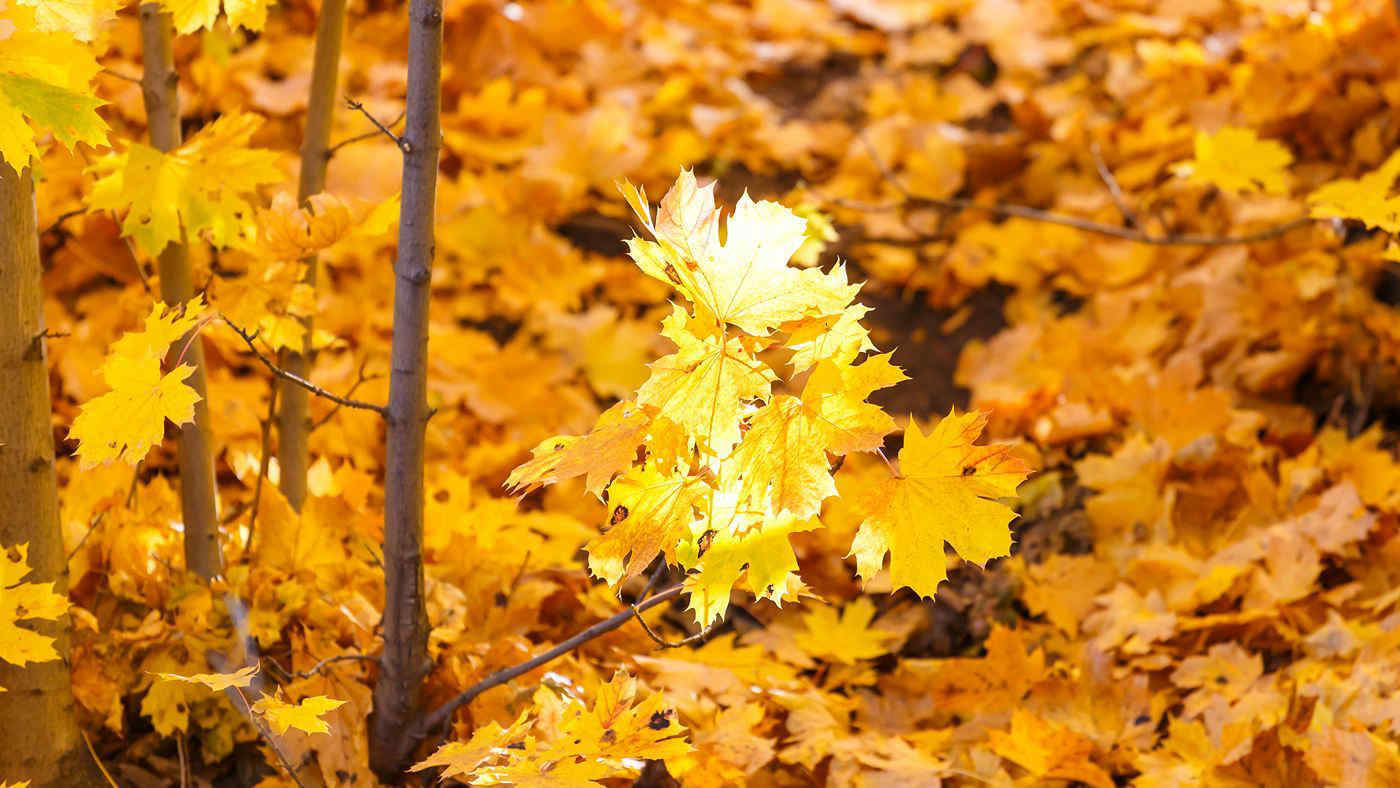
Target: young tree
(404,662)
(42,743)
(292,420)
(202,553)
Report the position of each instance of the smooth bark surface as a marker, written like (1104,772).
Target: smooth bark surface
(39,738)
(404,662)
(293,420)
(197,501)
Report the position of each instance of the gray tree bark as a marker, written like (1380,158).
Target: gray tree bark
(404,662)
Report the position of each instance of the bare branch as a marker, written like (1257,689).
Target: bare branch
(264,463)
(328,661)
(297,379)
(1036,214)
(369,135)
(662,642)
(1111,183)
(267,736)
(119,75)
(443,713)
(360,379)
(319,667)
(399,141)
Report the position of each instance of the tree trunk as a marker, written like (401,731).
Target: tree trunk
(404,663)
(293,422)
(41,739)
(197,501)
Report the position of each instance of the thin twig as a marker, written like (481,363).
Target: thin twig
(360,378)
(299,380)
(36,345)
(1111,183)
(662,642)
(369,135)
(318,668)
(264,463)
(267,737)
(651,633)
(130,500)
(135,485)
(328,661)
(1050,217)
(119,75)
(399,141)
(184,761)
(57,223)
(443,713)
(97,760)
(136,263)
(96,521)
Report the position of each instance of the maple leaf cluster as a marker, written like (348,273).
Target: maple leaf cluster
(730,466)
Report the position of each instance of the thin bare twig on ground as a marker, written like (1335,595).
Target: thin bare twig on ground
(1035,214)
(1111,183)
(96,760)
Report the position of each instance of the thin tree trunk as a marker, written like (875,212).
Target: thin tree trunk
(202,553)
(293,422)
(41,742)
(404,662)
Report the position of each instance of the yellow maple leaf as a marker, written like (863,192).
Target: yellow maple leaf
(217,682)
(461,759)
(746,280)
(703,385)
(1367,199)
(79,18)
(995,683)
(944,492)
(304,716)
(126,421)
(837,396)
(199,189)
(651,511)
(608,449)
(1236,160)
(1048,751)
(838,340)
(563,741)
(45,79)
(21,601)
(191,15)
(846,637)
(763,555)
(782,459)
(286,231)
